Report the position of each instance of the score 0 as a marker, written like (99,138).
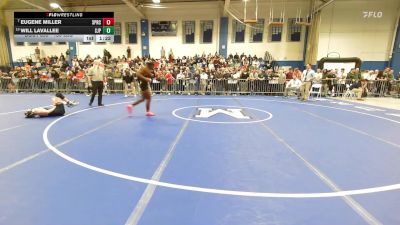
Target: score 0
(108,26)
(108,21)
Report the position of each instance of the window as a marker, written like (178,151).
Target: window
(19,43)
(164,28)
(238,31)
(131,32)
(47,43)
(256,33)
(33,43)
(275,32)
(117,33)
(62,43)
(206,28)
(294,30)
(86,43)
(188,31)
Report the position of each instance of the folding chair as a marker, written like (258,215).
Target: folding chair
(316,89)
(349,93)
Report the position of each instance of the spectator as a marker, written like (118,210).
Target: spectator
(297,73)
(365,75)
(318,76)
(354,75)
(330,77)
(170,81)
(171,56)
(289,74)
(180,77)
(128,52)
(389,75)
(128,82)
(203,82)
(359,88)
(37,54)
(293,85)
(162,53)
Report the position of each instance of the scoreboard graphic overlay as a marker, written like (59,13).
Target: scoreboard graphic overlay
(64,26)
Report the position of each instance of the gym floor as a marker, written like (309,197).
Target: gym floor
(322,162)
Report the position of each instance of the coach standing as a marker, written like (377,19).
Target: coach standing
(307,78)
(96,76)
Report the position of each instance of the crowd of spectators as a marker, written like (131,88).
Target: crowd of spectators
(177,74)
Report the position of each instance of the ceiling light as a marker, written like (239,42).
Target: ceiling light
(54,5)
(156,1)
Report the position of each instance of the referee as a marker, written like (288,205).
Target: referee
(96,76)
(307,78)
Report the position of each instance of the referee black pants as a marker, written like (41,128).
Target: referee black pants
(97,87)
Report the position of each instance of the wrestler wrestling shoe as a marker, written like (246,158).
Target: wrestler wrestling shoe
(150,114)
(29,114)
(72,103)
(129,109)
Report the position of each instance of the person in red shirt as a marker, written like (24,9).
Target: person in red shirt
(170,80)
(297,73)
(289,74)
(156,64)
(80,75)
(44,77)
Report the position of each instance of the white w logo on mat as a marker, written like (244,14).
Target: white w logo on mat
(209,112)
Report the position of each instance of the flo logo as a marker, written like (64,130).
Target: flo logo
(209,112)
(372,14)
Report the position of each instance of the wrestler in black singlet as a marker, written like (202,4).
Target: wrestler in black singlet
(144,84)
(59,110)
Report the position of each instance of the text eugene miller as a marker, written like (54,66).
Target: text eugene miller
(39,22)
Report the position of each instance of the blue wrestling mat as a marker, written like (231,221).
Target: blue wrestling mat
(202,160)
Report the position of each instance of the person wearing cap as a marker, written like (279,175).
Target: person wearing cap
(144,76)
(96,76)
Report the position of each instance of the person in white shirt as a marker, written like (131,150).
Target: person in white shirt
(211,65)
(125,65)
(293,85)
(180,77)
(162,52)
(318,76)
(365,75)
(75,63)
(343,76)
(373,74)
(203,81)
(237,75)
(306,78)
